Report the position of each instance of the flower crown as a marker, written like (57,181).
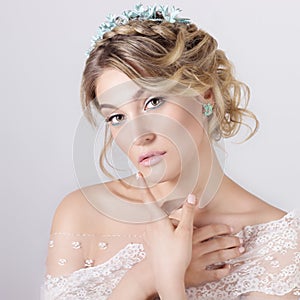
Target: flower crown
(152,12)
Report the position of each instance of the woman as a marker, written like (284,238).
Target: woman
(167,94)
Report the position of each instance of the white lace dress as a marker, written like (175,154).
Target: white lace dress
(87,266)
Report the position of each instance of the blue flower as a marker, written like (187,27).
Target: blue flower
(141,13)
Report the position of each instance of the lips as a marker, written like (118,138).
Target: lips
(151,158)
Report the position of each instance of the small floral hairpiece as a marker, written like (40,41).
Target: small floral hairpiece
(152,12)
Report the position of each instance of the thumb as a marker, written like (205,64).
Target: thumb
(187,217)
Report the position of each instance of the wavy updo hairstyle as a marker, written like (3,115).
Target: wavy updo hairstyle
(175,51)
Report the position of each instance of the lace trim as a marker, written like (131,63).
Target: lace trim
(290,217)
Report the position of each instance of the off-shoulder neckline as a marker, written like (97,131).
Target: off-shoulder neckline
(292,213)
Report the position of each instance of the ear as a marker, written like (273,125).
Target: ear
(208,95)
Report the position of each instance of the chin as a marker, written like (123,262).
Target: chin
(160,174)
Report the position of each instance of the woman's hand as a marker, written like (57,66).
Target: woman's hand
(211,244)
(168,249)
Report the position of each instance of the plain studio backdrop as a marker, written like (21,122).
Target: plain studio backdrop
(43,46)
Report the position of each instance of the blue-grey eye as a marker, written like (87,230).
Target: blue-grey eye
(154,102)
(115,119)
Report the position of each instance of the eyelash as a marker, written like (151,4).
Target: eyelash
(110,118)
(162,99)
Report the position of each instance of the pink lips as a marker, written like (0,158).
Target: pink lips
(151,158)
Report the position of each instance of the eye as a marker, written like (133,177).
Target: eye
(115,119)
(154,103)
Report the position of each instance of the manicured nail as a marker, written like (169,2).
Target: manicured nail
(241,249)
(191,199)
(241,241)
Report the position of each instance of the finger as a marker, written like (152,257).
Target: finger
(187,218)
(155,212)
(220,243)
(222,255)
(212,275)
(145,192)
(175,222)
(209,231)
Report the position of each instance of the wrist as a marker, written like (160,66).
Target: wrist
(144,280)
(137,284)
(128,290)
(172,289)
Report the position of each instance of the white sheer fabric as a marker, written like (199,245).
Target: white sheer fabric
(87,266)
(269,266)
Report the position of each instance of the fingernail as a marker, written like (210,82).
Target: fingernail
(138,175)
(241,249)
(232,229)
(191,199)
(241,241)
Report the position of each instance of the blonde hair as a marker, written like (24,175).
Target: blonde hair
(176,51)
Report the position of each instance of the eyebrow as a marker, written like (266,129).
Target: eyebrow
(107,105)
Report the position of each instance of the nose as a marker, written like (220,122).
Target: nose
(145,139)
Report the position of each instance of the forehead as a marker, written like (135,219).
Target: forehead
(110,78)
(115,87)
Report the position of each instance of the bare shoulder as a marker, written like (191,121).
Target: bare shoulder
(74,213)
(78,212)
(270,213)
(260,214)
(264,212)
(252,210)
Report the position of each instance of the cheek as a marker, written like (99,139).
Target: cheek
(197,131)
(193,126)
(117,140)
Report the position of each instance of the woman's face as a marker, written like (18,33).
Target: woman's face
(160,133)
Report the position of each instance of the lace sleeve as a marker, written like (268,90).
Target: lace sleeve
(86,266)
(67,252)
(269,268)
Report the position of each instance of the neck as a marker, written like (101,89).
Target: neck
(205,179)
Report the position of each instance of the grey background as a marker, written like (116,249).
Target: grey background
(43,46)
